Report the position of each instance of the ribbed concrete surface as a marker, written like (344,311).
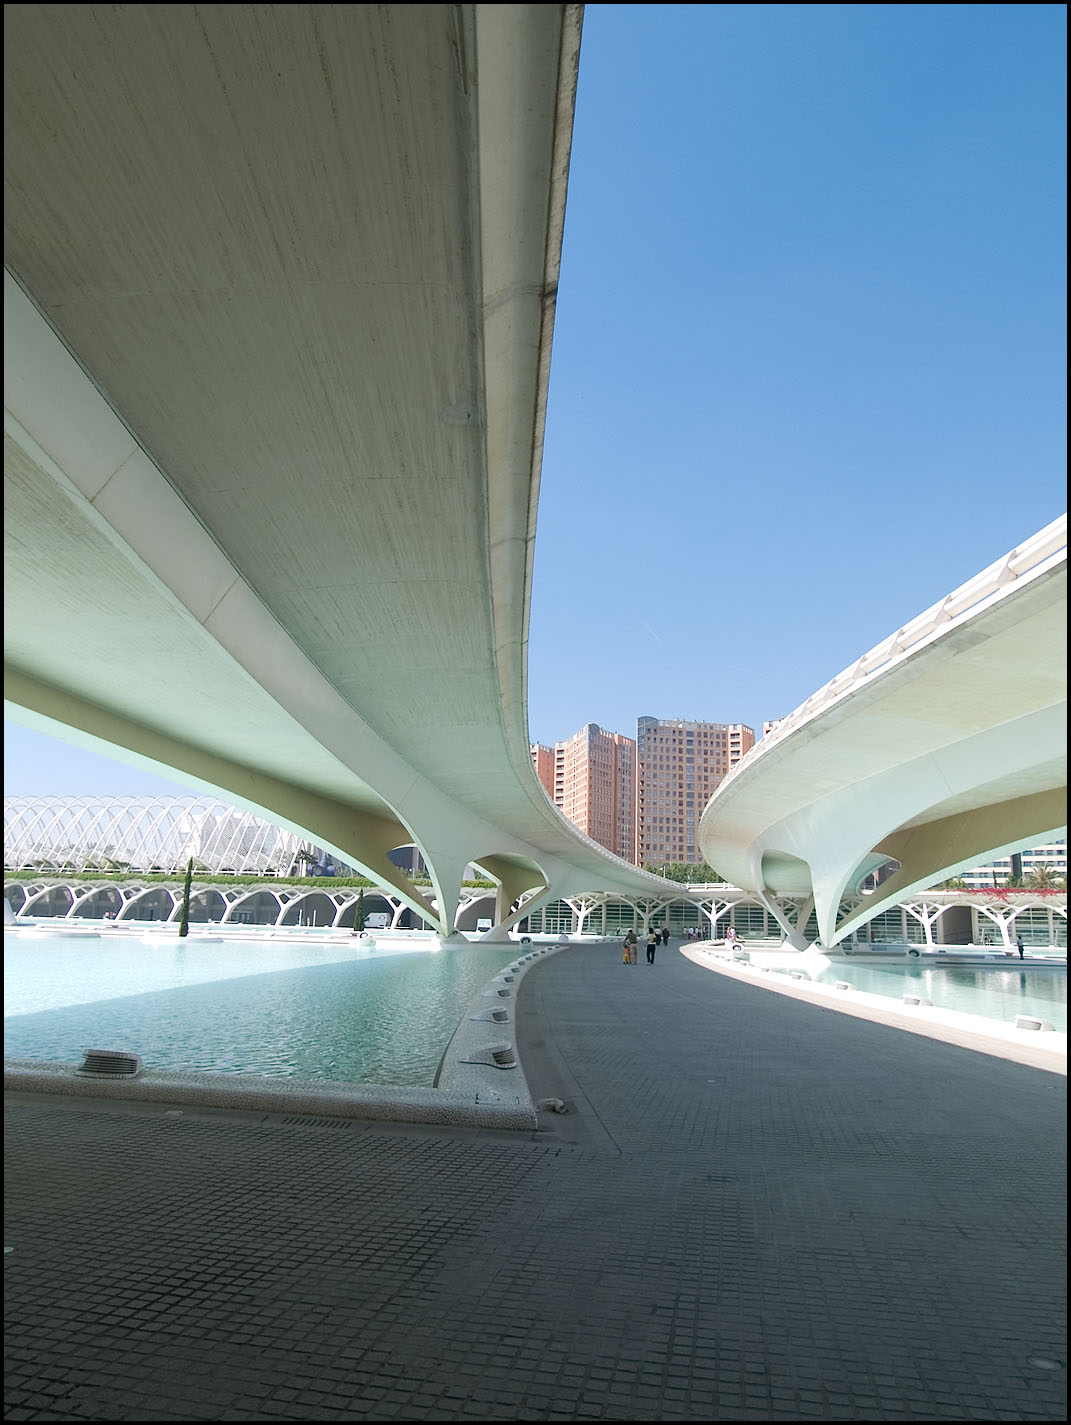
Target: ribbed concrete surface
(757,1209)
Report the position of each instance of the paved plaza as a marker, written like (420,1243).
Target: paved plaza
(755,1208)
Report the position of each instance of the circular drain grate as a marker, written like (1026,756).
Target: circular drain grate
(109,1064)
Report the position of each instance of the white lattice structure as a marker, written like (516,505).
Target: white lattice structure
(144,834)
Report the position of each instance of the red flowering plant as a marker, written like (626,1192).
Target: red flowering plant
(1003,893)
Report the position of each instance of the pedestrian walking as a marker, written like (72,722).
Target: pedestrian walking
(1019,946)
(652,946)
(665,935)
(630,948)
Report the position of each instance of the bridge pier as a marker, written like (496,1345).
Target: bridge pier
(794,938)
(454,940)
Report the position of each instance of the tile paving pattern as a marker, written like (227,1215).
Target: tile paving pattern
(756,1209)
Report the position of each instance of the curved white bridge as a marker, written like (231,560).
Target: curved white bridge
(279,296)
(942,747)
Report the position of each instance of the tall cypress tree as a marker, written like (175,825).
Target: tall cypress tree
(358,914)
(184,920)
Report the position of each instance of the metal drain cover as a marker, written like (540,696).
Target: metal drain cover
(109,1064)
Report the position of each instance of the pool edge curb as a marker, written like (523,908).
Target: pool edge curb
(469,1092)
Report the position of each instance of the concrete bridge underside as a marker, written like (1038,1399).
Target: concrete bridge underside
(280,289)
(950,753)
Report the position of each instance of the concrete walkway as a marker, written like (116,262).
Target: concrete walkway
(756,1208)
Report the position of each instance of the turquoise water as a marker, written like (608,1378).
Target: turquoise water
(998,994)
(251,1007)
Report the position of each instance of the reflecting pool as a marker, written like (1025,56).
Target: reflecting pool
(993,993)
(330,1011)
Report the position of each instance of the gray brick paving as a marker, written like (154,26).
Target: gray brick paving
(756,1209)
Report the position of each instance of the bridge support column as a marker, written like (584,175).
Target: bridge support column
(793,937)
(713,913)
(446,872)
(514,876)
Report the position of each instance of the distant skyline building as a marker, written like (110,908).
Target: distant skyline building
(680,766)
(543,762)
(595,786)
(591,779)
(642,799)
(1052,857)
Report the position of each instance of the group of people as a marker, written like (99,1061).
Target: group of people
(630,945)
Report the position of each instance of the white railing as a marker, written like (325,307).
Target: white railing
(1044,548)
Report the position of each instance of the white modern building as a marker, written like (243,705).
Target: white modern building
(1051,859)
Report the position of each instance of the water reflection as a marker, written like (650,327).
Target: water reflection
(1047,985)
(993,993)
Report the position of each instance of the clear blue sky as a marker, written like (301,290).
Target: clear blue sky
(809,356)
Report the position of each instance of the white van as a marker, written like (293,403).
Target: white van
(378,920)
(483,924)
